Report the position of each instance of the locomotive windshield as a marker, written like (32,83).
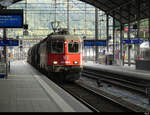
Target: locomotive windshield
(57,47)
(73,47)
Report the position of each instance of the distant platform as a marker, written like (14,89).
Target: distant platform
(123,70)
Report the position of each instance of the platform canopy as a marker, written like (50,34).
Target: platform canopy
(121,10)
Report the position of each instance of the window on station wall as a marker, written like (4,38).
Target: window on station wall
(41,12)
(144,28)
(84,20)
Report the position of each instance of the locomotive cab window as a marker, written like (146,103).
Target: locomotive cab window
(57,47)
(73,47)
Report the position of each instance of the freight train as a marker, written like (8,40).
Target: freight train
(59,55)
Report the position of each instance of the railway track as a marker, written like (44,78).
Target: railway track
(96,100)
(114,79)
(92,99)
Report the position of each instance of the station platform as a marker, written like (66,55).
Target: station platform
(27,90)
(123,70)
(137,76)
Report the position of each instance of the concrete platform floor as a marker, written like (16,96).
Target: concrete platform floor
(27,90)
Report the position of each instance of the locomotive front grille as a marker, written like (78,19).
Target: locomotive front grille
(76,68)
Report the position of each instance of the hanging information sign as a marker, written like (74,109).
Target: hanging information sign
(11,18)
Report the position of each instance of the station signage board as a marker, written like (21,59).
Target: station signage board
(132,41)
(10,18)
(9,42)
(94,42)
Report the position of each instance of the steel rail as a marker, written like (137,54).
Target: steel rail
(138,87)
(96,101)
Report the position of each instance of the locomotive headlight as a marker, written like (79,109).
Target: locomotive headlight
(75,62)
(55,62)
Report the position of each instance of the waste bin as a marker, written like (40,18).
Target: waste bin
(109,59)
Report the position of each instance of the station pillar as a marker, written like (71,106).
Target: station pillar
(96,32)
(68,25)
(121,35)
(107,30)
(129,46)
(113,37)
(5,50)
(149,22)
(138,25)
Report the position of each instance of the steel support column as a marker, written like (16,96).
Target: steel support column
(107,31)
(138,24)
(85,20)
(121,33)
(149,22)
(85,37)
(129,46)
(5,50)
(123,52)
(113,36)
(55,11)
(96,32)
(68,15)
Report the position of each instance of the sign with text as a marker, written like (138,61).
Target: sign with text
(11,18)
(132,41)
(94,42)
(9,42)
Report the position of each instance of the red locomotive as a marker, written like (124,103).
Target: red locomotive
(59,53)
